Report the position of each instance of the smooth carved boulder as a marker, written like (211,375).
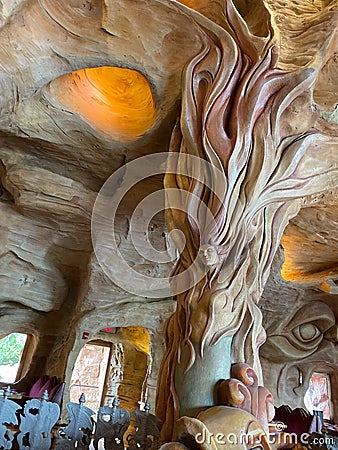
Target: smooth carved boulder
(87,35)
(310,244)
(240,419)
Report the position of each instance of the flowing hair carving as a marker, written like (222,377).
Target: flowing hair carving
(235,104)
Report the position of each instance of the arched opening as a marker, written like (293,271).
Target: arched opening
(16,350)
(117,363)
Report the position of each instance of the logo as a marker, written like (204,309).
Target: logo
(200,176)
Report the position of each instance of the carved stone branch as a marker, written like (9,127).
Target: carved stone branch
(243,391)
(237,114)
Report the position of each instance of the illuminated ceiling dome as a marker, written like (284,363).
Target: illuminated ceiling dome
(114,101)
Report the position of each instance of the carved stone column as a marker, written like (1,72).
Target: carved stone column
(238,117)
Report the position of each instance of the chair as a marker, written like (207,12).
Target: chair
(8,418)
(36,423)
(53,386)
(36,390)
(297,421)
(56,394)
(78,432)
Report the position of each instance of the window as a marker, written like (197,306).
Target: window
(317,397)
(13,348)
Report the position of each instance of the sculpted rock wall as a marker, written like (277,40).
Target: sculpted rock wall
(251,104)
(240,113)
(53,163)
(301,326)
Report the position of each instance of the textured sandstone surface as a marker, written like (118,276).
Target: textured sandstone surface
(301,325)
(53,163)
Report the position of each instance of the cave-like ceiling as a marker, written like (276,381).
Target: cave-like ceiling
(66,126)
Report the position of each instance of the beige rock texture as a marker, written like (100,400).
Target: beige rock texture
(301,325)
(53,164)
(248,108)
(54,160)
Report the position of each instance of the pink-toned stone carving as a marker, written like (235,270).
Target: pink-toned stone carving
(242,390)
(239,421)
(301,339)
(239,112)
(52,162)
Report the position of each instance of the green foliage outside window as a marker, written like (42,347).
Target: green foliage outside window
(11,347)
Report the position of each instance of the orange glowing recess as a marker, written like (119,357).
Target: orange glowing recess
(115,101)
(193,4)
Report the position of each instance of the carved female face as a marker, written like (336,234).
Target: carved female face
(208,255)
